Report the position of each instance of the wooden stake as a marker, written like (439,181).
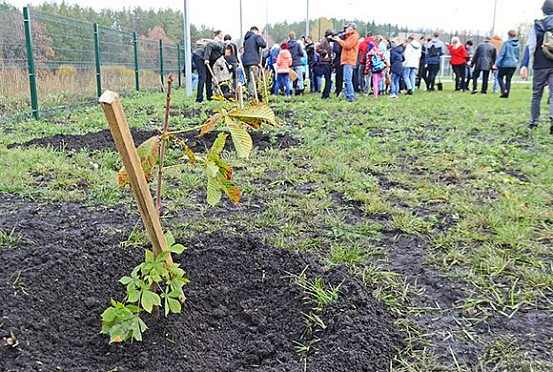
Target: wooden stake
(123,140)
(265,86)
(254,83)
(215,80)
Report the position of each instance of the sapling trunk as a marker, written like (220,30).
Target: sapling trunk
(159,207)
(165,131)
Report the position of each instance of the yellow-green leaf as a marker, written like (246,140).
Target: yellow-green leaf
(219,144)
(255,115)
(240,138)
(148,152)
(210,124)
(214,192)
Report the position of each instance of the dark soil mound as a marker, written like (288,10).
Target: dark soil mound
(103,140)
(243,312)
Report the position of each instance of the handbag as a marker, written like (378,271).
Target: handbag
(293,75)
(388,80)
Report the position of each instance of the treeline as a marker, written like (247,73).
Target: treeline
(137,19)
(279,31)
(65,39)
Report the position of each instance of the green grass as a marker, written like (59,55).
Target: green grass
(456,173)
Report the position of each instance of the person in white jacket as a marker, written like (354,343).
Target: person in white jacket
(412,58)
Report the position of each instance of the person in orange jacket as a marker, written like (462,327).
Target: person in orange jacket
(350,49)
(284,62)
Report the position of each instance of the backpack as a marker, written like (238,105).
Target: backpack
(433,51)
(547,45)
(377,63)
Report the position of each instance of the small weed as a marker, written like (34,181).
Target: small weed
(10,239)
(318,293)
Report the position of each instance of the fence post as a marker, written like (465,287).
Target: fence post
(161,64)
(31,63)
(136,74)
(97,59)
(179,64)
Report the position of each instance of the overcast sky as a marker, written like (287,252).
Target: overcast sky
(449,15)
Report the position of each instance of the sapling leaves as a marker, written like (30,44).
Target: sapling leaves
(148,152)
(149,300)
(219,175)
(122,320)
(210,124)
(240,137)
(254,116)
(173,247)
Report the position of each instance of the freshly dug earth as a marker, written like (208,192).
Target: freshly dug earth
(243,312)
(103,140)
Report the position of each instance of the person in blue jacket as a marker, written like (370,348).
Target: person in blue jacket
(507,63)
(397,58)
(543,66)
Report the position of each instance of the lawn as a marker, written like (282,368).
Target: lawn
(433,211)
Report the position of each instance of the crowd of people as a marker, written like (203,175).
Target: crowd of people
(373,64)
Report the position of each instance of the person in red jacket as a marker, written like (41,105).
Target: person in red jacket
(458,62)
(364,47)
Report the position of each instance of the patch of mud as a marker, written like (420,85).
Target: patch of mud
(103,140)
(243,312)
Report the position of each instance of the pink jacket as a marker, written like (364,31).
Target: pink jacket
(284,61)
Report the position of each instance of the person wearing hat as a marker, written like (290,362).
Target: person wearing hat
(325,52)
(350,48)
(543,66)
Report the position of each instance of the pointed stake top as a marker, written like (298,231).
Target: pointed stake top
(108,97)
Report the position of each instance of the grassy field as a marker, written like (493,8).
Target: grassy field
(440,202)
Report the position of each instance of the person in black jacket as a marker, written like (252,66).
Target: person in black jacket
(543,66)
(483,61)
(337,50)
(310,50)
(198,61)
(251,58)
(421,75)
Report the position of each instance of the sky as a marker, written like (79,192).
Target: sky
(475,15)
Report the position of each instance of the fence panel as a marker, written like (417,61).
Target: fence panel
(148,64)
(64,59)
(171,62)
(14,73)
(117,60)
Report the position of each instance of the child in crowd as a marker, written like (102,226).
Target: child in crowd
(377,65)
(284,61)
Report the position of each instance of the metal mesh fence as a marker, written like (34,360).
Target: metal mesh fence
(75,60)
(14,76)
(116,60)
(148,64)
(64,60)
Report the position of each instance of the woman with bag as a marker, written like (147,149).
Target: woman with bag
(458,62)
(378,65)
